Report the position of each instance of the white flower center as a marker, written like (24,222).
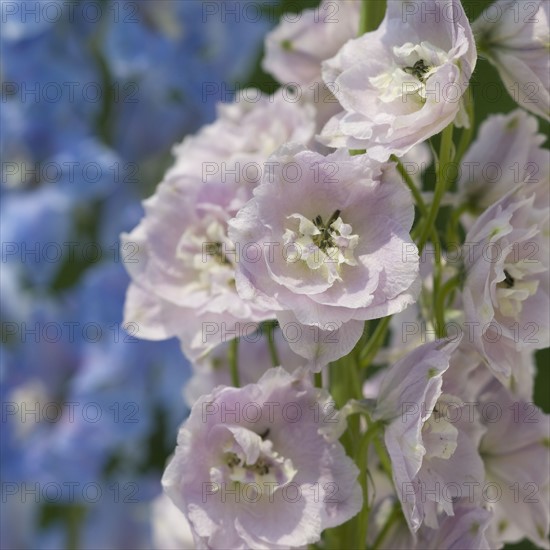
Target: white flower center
(407,76)
(322,245)
(516,287)
(438,433)
(203,247)
(263,467)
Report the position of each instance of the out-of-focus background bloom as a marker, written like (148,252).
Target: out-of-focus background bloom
(94,95)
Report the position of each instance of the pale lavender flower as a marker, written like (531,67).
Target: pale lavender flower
(404,82)
(319,345)
(327,238)
(262,442)
(182,284)
(515,451)
(295,49)
(234,148)
(506,295)
(467,528)
(515,37)
(182,275)
(428,450)
(507,152)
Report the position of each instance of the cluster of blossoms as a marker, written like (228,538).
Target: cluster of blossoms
(283,250)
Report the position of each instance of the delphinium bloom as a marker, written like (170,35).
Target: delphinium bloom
(252,470)
(182,286)
(508,151)
(404,82)
(295,49)
(514,36)
(465,529)
(517,464)
(324,238)
(506,295)
(249,129)
(427,450)
(179,255)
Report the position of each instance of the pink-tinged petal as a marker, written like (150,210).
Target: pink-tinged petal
(467,528)
(147,313)
(513,136)
(320,346)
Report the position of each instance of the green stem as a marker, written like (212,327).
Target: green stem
(445,157)
(344,386)
(362,520)
(375,342)
(355,380)
(467,133)
(318,379)
(74,518)
(441,296)
(452,236)
(372,13)
(438,315)
(234,362)
(383,456)
(273,348)
(421,205)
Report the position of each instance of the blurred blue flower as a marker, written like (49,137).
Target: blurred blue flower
(93,95)
(35,226)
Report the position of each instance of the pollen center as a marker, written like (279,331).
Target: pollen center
(419,69)
(322,245)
